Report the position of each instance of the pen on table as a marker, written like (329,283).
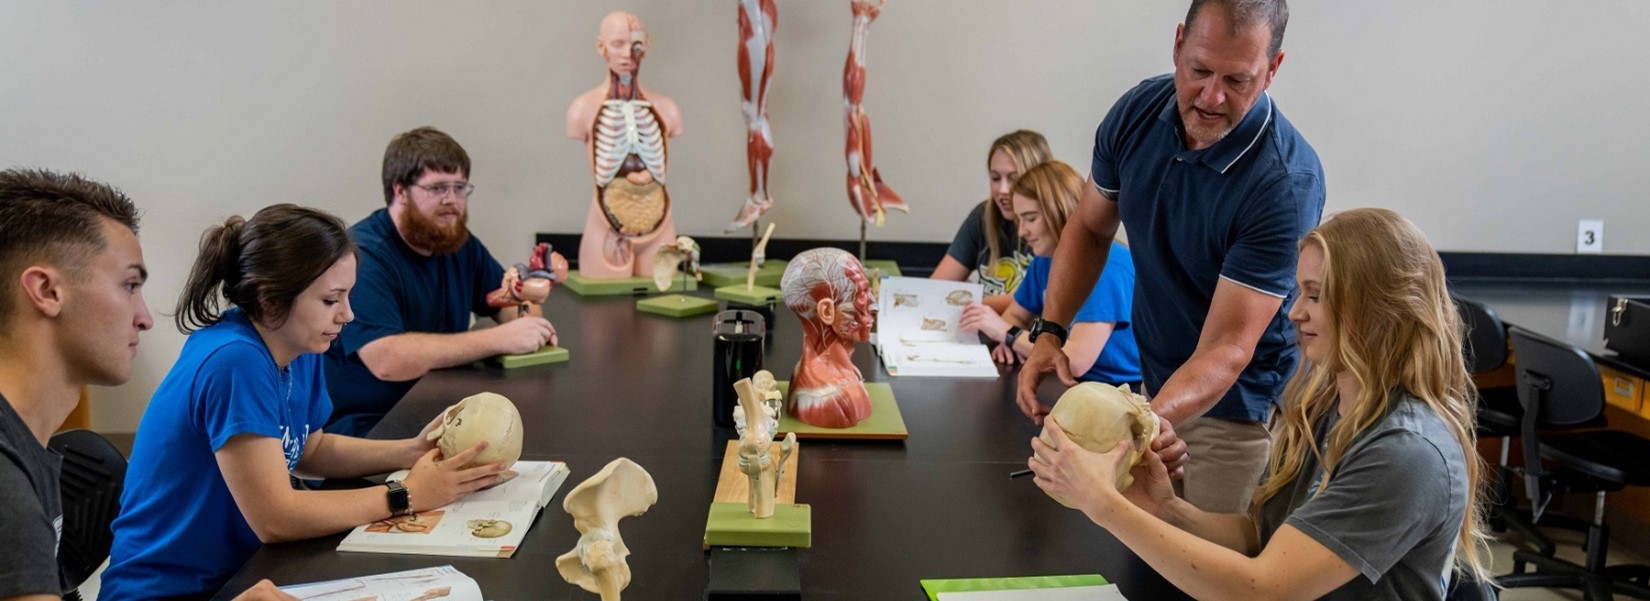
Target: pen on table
(1019,473)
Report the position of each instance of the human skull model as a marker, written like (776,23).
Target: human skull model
(487,416)
(1097,417)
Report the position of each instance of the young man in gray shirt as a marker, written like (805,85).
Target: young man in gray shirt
(71,309)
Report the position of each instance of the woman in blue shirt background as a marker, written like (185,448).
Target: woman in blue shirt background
(1101,346)
(240,414)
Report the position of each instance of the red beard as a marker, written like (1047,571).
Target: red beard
(423,231)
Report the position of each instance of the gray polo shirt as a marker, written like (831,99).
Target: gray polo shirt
(1393,509)
(31,514)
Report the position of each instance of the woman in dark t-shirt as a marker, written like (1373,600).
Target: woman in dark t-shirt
(1374,483)
(987,243)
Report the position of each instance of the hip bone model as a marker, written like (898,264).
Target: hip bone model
(622,489)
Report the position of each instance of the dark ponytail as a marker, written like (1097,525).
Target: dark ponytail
(260,265)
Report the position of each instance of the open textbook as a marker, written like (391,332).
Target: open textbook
(443,583)
(488,523)
(917,331)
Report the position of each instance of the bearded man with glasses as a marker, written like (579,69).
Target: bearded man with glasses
(421,276)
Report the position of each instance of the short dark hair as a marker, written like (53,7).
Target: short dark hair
(1249,13)
(56,218)
(411,153)
(260,264)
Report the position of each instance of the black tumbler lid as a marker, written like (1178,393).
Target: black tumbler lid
(738,321)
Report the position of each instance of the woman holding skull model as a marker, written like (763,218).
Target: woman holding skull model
(238,418)
(1372,490)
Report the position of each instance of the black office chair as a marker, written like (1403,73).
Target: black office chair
(1466,587)
(1485,343)
(94,472)
(1560,386)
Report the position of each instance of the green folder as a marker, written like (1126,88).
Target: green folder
(959,585)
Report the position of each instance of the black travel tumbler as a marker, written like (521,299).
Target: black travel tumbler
(738,355)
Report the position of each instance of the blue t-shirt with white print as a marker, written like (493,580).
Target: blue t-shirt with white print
(179,531)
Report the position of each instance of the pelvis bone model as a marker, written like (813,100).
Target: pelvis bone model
(622,489)
(1097,417)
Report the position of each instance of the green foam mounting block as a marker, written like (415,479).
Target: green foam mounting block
(732,525)
(584,286)
(756,295)
(549,354)
(676,305)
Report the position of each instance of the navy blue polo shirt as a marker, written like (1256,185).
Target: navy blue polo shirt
(397,291)
(1235,210)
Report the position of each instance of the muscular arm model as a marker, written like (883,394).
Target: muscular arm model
(757,20)
(866,192)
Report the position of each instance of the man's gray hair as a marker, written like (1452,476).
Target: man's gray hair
(1249,13)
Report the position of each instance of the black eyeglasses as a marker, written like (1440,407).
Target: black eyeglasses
(462,189)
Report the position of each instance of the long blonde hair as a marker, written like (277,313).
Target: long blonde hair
(1055,186)
(1398,330)
(1026,149)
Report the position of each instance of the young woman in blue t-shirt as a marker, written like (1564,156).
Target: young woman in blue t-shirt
(1101,346)
(239,417)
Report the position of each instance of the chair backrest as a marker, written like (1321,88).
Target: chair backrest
(94,472)
(1559,381)
(1466,587)
(1486,336)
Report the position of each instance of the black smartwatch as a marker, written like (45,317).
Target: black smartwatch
(400,501)
(1040,327)
(1013,332)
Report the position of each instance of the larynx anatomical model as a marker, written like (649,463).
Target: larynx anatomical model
(528,286)
(624,127)
(827,289)
(1097,417)
(866,192)
(622,489)
(486,416)
(757,418)
(757,20)
(671,256)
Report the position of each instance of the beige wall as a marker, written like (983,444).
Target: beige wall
(1494,125)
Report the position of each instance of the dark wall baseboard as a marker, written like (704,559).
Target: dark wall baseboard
(1542,267)
(919,259)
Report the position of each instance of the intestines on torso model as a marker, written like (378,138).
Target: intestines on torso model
(628,153)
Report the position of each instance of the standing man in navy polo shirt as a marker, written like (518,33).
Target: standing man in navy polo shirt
(421,276)
(1215,188)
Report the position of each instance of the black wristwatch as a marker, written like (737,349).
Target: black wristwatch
(400,501)
(1040,327)
(1013,332)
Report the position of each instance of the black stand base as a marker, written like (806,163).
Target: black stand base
(754,574)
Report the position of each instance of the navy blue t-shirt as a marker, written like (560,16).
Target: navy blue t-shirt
(398,291)
(1109,302)
(180,531)
(1235,210)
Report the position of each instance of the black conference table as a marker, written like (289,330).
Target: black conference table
(885,514)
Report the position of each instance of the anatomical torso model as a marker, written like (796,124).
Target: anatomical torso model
(624,127)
